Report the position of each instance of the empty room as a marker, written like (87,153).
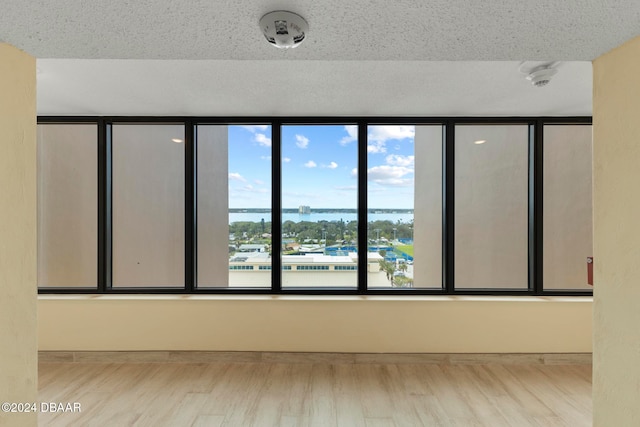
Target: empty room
(319,214)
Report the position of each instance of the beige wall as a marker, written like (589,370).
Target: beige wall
(18,322)
(308,278)
(318,323)
(616,116)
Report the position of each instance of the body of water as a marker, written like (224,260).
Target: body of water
(315,217)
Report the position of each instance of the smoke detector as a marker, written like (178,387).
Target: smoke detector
(539,75)
(284,29)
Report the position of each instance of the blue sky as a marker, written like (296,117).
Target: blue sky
(319,166)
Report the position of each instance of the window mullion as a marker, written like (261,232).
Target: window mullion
(363,238)
(276,207)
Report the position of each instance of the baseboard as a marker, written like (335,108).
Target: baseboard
(325,358)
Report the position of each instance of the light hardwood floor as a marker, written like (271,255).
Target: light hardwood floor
(317,394)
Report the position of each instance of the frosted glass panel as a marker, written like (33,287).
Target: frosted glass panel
(491,206)
(148,206)
(67,205)
(568,224)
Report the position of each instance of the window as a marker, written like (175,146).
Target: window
(67,205)
(241,267)
(313,267)
(148,205)
(491,206)
(234,205)
(346,267)
(404,174)
(325,205)
(319,204)
(567,221)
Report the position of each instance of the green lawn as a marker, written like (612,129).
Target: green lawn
(407,249)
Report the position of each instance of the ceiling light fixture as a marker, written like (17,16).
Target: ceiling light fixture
(177,140)
(480,141)
(284,29)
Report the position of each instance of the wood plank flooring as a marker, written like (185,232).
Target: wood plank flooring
(316,394)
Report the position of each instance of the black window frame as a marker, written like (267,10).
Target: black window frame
(104,202)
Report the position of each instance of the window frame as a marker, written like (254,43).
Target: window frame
(535,199)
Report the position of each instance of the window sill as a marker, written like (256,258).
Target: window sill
(236,297)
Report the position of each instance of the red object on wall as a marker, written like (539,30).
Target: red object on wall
(590,270)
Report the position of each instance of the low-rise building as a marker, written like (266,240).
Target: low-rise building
(309,270)
(250,247)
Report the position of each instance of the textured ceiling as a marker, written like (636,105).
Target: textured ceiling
(361,57)
(434,30)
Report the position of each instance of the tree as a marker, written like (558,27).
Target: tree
(389,268)
(403,267)
(403,282)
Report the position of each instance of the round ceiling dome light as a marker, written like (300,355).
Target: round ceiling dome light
(284,29)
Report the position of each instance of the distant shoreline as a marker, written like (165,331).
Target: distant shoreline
(322,210)
(328,215)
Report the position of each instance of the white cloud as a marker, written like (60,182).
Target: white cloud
(379,135)
(331,165)
(310,164)
(376,147)
(387,171)
(390,175)
(265,157)
(255,128)
(386,133)
(352,131)
(259,137)
(400,160)
(235,176)
(354,173)
(286,160)
(258,182)
(263,139)
(302,141)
